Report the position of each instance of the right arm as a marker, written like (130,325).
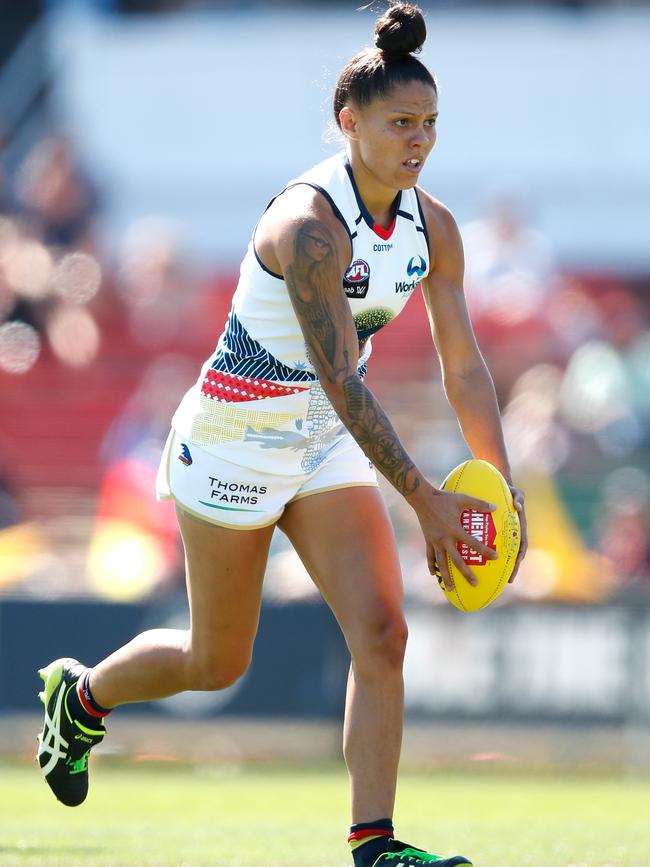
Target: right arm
(314,276)
(312,251)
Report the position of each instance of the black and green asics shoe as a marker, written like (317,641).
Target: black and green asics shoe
(64,744)
(403,855)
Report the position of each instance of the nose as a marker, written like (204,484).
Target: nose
(422,136)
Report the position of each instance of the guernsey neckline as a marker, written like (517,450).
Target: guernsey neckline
(380,231)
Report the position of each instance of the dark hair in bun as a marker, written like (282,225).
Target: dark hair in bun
(400,30)
(399,33)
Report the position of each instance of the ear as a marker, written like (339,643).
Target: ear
(348,121)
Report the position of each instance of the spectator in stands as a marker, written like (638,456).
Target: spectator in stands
(56,195)
(624,524)
(156,286)
(509,271)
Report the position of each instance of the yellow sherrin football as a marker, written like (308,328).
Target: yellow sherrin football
(499,530)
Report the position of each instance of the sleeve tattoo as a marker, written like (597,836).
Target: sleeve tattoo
(311,278)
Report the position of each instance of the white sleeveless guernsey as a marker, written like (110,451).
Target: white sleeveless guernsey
(258,402)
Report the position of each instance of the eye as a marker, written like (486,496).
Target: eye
(401,122)
(431,121)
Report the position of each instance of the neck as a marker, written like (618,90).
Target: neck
(377,198)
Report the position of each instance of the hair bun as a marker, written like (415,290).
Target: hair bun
(400,30)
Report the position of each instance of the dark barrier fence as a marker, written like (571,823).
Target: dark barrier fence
(521,663)
(299,668)
(541,663)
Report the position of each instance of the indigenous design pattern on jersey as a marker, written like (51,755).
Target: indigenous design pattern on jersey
(259,388)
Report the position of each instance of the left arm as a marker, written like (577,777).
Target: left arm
(466,378)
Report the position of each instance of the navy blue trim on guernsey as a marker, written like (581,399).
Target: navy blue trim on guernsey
(333,204)
(364,212)
(422,229)
(259,261)
(263,266)
(405,214)
(240,354)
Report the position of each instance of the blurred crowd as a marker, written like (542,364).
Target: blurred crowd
(570,355)
(95,349)
(49,272)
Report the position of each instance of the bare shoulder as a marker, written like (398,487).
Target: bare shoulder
(445,244)
(441,224)
(295,208)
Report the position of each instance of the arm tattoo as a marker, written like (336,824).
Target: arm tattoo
(369,425)
(310,278)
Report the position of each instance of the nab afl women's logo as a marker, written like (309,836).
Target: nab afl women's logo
(356,279)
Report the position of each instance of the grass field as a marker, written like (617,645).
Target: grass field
(174,814)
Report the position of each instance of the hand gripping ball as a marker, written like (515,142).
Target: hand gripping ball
(499,530)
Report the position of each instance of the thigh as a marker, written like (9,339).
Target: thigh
(225,571)
(346,542)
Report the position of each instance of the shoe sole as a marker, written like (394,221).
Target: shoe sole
(51,675)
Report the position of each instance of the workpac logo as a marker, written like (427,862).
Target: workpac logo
(185,457)
(416,266)
(415,269)
(356,279)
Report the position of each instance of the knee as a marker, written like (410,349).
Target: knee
(212,672)
(382,644)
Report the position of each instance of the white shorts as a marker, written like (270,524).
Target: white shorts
(230,495)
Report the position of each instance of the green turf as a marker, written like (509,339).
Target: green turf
(178,815)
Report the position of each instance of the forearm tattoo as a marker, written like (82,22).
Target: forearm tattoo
(310,278)
(369,425)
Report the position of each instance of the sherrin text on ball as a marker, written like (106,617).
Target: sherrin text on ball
(499,530)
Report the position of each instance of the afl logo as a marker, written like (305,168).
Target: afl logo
(356,279)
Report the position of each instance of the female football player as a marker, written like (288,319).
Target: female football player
(280,430)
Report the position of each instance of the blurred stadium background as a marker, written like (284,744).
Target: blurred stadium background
(139,142)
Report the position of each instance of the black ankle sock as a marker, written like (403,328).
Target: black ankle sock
(365,854)
(82,706)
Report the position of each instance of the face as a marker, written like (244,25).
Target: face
(391,138)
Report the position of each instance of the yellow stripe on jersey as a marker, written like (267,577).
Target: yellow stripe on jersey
(226,422)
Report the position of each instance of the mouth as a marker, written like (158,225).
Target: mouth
(414,164)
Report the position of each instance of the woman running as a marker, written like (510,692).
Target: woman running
(280,430)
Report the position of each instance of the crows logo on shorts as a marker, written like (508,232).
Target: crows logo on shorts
(185,457)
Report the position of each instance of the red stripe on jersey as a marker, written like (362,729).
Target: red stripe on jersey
(231,388)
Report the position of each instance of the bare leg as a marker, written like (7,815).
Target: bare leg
(225,570)
(358,573)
